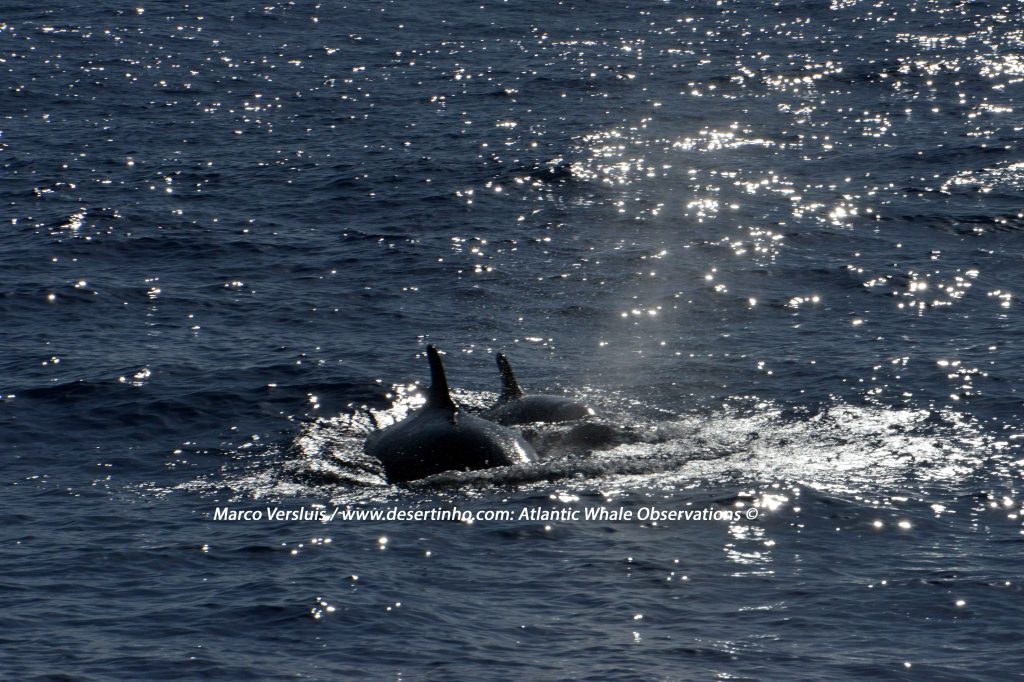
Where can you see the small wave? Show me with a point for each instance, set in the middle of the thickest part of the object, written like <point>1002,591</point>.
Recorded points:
<point>839,448</point>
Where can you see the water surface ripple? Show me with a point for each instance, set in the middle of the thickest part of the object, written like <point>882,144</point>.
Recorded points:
<point>777,244</point>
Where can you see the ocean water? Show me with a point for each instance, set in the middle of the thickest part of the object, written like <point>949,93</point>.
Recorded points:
<point>779,246</point>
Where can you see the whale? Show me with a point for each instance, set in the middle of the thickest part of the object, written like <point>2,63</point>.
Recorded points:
<point>514,406</point>
<point>440,436</point>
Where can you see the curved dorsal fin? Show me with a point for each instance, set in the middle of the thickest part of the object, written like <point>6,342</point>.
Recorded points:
<point>509,386</point>
<point>437,394</point>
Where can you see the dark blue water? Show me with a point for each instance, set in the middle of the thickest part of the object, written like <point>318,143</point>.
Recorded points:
<point>779,246</point>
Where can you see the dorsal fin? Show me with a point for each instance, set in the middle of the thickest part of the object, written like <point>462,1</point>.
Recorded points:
<point>509,386</point>
<point>437,394</point>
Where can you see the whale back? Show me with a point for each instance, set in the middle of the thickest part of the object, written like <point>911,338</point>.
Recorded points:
<point>538,408</point>
<point>429,443</point>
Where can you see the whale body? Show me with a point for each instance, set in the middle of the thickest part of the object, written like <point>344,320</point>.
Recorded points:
<point>516,407</point>
<point>441,437</point>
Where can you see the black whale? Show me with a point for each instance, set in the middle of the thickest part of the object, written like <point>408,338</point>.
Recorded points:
<point>441,437</point>
<point>516,407</point>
